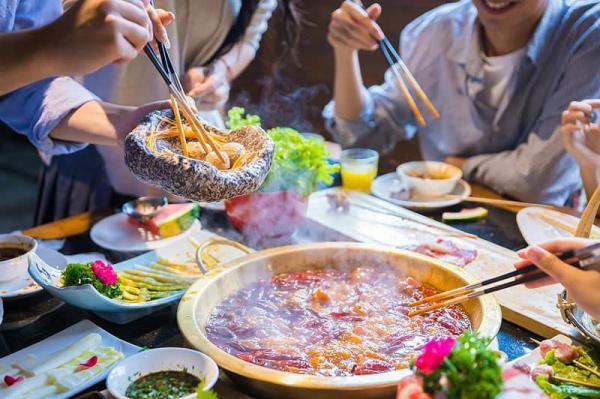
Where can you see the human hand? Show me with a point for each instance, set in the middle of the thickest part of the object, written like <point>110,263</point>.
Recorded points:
<point>582,285</point>
<point>209,86</point>
<point>579,135</point>
<point>128,118</point>
<point>456,161</point>
<point>353,28</point>
<point>94,33</point>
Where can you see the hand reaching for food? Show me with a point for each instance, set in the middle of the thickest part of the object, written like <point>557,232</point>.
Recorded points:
<point>582,285</point>
<point>209,86</point>
<point>580,134</point>
<point>353,28</point>
<point>94,33</point>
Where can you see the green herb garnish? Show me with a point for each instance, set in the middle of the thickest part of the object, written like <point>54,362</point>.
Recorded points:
<point>470,371</point>
<point>81,273</point>
<point>202,394</point>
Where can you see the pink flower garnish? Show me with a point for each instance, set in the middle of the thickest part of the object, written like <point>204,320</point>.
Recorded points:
<point>10,380</point>
<point>434,353</point>
<point>105,272</point>
<point>91,362</point>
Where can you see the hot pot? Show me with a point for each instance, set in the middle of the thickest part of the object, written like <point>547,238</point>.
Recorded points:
<point>202,297</point>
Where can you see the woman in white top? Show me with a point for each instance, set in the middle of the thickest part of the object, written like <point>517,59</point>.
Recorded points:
<point>211,43</point>
<point>580,133</point>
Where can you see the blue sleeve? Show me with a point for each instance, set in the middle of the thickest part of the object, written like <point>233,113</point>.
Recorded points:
<point>36,109</point>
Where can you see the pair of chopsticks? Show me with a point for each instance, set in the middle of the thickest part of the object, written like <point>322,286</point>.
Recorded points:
<point>165,68</point>
<point>397,66</point>
<point>581,258</point>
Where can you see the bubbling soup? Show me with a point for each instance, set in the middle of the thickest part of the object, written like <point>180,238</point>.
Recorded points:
<point>331,322</point>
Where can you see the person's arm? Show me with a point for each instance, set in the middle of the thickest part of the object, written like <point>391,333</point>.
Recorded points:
<point>539,170</point>
<point>378,117</point>
<point>101,123</point>
<point>581,139</point>
<point>582,285</point>
<point>89,35</point>
<point>211,84</point>
<point>351,29</point>
<point>59,114</point>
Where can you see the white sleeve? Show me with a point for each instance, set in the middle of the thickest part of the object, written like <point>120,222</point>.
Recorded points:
<point>259,23</point>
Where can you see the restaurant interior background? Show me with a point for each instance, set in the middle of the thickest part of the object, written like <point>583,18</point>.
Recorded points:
<point>307,84</point>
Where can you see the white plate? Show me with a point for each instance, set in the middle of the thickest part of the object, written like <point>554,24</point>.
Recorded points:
<point>162,359</point>
<point>25,286</point>
<point>385,185</point>
<point>65,338</point>
<point>536,230</point>
<point>117,234</point>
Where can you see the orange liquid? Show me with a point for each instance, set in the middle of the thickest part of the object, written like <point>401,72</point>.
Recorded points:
<point>358,179</point>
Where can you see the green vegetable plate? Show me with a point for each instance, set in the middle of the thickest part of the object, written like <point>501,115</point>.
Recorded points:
<point>87,297</point>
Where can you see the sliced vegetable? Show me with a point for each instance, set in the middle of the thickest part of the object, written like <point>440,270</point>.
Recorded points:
<point>465,215</point>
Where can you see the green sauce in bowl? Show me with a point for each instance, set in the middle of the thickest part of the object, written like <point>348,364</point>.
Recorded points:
<point>163,385</point>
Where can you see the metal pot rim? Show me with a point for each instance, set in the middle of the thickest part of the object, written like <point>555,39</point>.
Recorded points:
<point>490,324</point>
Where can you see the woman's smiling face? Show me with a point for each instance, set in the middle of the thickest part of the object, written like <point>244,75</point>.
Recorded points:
<point>509,13</point>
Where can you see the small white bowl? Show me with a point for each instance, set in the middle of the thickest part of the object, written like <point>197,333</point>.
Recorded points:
<point>161,359</point>
<point>445,177</point>
<point>11,269</point>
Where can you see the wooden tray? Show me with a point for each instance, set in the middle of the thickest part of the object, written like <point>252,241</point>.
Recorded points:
<point>534,310</point>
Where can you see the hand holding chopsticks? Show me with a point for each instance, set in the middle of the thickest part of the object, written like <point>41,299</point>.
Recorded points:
<point>165,68</point>
<point>398,68</point>
<point>582,258</point>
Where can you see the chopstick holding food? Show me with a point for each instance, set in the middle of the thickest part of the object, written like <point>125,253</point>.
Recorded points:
<point>573,267</point>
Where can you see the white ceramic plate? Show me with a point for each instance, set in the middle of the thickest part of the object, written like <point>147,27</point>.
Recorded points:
<point>117,234</point>
<point>66,338</point>
<point>536,230</point>
<point>162,359</point>
<point>22,287</point>
<point>385,185</point>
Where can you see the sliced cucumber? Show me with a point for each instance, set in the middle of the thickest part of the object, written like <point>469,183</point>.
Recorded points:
<point>465,215</point>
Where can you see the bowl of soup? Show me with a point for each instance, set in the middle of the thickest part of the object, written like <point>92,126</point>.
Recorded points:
<point>429,178</point>
<point>15,250</point>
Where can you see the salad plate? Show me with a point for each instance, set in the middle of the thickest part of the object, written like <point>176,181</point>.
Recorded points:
<point>61,341</point>
<point>115,233</point>
<point>26,286</point>
<point>87,297</point>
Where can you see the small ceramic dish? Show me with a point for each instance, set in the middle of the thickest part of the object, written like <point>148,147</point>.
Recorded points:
<point>144,208</point>
<point>429,178</point>
<point>16,267</point>
<point>161,359</point>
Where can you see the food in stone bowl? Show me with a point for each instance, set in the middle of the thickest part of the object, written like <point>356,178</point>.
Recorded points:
<point>194,160</point>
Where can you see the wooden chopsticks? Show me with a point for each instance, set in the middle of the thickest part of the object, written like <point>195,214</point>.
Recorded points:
<point>167,72</point>
<point>582,258</point>
<point>397,66</point>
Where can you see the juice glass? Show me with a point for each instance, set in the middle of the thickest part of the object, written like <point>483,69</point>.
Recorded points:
<point>359,168</point>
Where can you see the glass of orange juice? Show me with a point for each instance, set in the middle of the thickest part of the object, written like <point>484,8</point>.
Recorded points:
<point>359,168</point>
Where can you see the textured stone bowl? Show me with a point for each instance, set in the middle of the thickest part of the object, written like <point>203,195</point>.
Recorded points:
<point>191,178</point>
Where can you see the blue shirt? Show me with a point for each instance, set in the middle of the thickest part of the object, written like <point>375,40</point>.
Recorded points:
<point>514,149</point>
<point>36,109</point>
